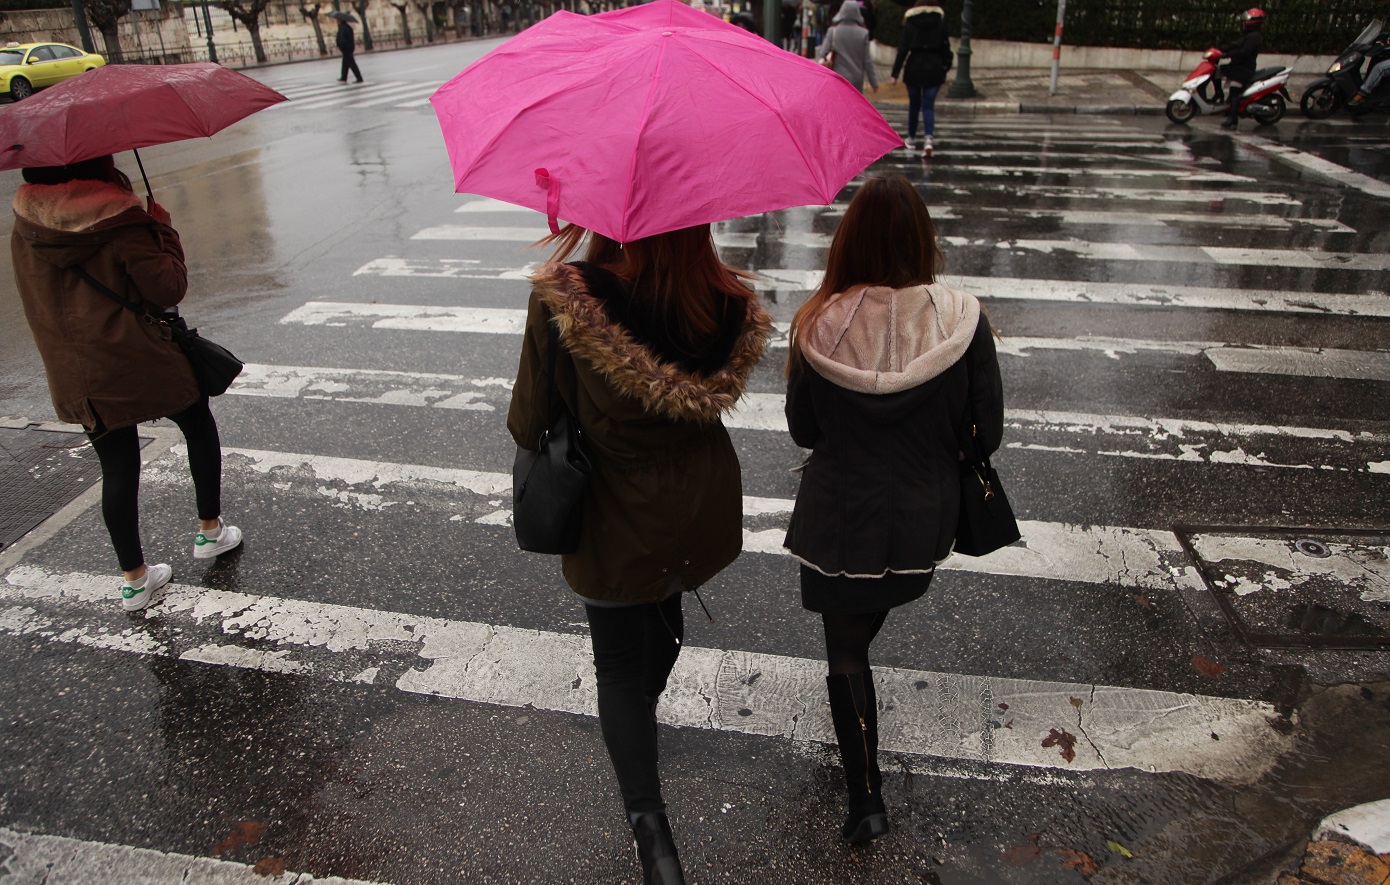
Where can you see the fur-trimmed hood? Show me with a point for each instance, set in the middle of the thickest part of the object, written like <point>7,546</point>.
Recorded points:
<point>923,10</point>
<point>879,340</point>
<point>67,223</point>
<point>633,368</point>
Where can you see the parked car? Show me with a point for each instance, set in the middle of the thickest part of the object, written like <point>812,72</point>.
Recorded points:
<point>25,67</point>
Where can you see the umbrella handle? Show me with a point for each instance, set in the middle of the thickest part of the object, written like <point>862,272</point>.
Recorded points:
<point>552,198</point>
<point>148,192</point>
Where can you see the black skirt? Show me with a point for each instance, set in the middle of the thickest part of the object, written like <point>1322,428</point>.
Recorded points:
<point>844,595</point>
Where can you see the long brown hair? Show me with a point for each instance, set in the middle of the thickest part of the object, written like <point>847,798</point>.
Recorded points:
<point>677,273</point>
<point>885,239</point>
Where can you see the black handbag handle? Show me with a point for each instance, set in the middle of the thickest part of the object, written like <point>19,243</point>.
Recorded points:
<point>551,395</point>
<point>123,302</point>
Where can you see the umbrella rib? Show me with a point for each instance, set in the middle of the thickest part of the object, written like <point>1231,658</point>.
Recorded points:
<point>641,128</point>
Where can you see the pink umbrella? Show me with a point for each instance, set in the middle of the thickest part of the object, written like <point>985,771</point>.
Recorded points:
<point>652,118</point>
<point>124,107</point>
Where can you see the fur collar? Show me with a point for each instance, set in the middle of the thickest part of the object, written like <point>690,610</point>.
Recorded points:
<point>73,206</point>
<point>633,369</point>
<point>881,340</point>
<point>923,10</point>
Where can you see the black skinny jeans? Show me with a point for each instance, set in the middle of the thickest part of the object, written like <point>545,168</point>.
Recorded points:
<point>119,454</point>
<point>635,648</point>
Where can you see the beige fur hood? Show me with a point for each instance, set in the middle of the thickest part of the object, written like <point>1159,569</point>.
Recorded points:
<point>923,10</point>
<point>74,206</point>
<point>880,340</point>
<point>632,368</point>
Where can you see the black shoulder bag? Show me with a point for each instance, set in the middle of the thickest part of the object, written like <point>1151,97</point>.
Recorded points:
<point>986,520</point>
<point>214,366</point>
<point>548,484</point>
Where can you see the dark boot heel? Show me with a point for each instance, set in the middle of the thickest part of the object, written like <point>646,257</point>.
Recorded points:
<point>865,829</point>
<point>656,849</point>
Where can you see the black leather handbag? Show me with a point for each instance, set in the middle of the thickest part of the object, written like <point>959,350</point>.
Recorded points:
<point>986,520</point>
<point>214,366</point>
<point>549,483</point>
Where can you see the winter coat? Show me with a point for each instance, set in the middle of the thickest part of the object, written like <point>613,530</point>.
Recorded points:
<point>346,39</point>
<point>103,361</point>
<point>1242,54</point>
<point>924,47</point>
<point>849,40</point>
<point>881,399</point>
<point>665,502</point>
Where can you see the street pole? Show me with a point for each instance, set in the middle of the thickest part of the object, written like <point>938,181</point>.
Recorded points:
<point>772,20</point>
<point>207,19</point>
<point>961,87</point>
<point>1057,46</point>
<point>79,15</point>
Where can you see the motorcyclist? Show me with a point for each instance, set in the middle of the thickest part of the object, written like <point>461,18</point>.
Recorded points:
<point>1240,69</point>
<point>1378,59</point>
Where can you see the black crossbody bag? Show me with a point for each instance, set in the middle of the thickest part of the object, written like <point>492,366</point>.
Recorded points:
<point>549,484</point>
<point>986,520</point>
<point>214,366</point>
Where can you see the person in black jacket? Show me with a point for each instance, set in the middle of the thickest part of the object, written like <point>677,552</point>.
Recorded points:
<point>890,373</point>
<point>347,45</point>
<point>1240,70</point>
<point>924,57</point>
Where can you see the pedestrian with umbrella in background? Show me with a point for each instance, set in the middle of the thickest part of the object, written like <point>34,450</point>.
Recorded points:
<point>99,270</point>
<point>347,45</point>
<point>641,127</point>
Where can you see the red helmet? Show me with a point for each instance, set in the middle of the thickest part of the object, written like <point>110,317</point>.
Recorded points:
<point>1252,16</point>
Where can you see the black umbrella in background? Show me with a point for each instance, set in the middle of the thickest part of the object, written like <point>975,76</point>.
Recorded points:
<point>344,17</point>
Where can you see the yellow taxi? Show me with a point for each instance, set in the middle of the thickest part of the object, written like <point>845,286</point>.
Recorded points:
<point>25,67</point>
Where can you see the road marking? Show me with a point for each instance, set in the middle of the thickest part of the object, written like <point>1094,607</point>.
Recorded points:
<point>346,93</point>
<point>1210,176</point>
<point>1303,258</point>
<point>1266,359</point>
<point>1318,166</point>
<point>405,93</point>
<point>1118,436</point>
<point>33,858</point>
<point>1110,194</point>
<point>945,715</point>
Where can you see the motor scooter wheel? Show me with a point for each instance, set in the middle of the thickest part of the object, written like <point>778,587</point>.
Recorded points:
<point>1180,111</point>
<point>1320,102</point>
<point>1268,110</point>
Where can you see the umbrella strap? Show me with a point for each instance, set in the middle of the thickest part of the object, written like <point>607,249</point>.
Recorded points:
<point>552,198</point>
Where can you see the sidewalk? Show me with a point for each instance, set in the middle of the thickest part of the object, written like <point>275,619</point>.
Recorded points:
<point>1004,91</point>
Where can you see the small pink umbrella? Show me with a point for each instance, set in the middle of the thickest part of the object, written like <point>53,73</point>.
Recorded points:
<point>124,107</point>
<point>653,118</point>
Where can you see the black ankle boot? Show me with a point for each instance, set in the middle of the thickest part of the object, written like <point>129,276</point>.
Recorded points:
<point>854,711</point>
<point>656,849</point>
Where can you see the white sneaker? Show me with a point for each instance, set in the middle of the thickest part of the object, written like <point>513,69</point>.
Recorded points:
<point>209,548</point>
<point>135,598</point>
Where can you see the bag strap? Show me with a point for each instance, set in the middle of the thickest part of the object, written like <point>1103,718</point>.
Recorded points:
<point>103,289</point>
<point>553,359</point>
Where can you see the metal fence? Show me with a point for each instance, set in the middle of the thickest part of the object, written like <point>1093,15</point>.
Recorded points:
<point>1292,26</point>
<point>242,55</point>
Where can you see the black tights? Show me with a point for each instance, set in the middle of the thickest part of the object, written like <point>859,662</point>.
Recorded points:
<point>847,639</point>
<point>119,453</point>
<point>635,647</point>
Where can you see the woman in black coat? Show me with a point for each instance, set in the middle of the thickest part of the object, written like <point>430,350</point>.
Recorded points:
<point>924,57</point>
<point>890,373</point>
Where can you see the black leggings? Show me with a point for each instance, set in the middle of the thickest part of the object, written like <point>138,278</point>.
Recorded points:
<point>847,639</point>
<point>635,647</point>
<point>119,453</point>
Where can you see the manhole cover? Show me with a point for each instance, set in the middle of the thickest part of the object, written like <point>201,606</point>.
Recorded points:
<point>1297,587</point>
<point>39,473</point>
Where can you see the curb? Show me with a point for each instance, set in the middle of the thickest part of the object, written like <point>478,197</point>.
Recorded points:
<point>1016,107</point>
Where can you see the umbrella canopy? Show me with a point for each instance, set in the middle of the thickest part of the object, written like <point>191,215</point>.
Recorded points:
<point>343,16</point>
<point>653,118</point>
<point>124,107</point>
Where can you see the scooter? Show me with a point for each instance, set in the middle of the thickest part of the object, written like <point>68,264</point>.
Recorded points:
<point>1326,96</point>
<point>1265,98</point>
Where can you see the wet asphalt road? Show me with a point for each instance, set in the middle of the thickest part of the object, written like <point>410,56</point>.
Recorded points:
<point>1195,330</point>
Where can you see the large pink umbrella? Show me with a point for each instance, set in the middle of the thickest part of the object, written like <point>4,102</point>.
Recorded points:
<point>652,118</point>
<point>124,107</point>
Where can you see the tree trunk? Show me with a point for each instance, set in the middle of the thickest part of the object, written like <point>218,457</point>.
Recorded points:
<point>112,37</point>
<point>253,27</point>
<point>361,6</point>
<point>404,10</point>
<point>313,16</point>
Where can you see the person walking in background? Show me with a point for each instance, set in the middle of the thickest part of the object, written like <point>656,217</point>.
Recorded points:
<point>885,365</point>
<point>1240,67</point>
<point>656,340</point>
<point>108,368</point>
<point>924,57</point>
<point>848,39</point>
<point>347,45</point>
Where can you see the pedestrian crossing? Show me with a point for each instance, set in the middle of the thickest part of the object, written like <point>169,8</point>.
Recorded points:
<point>415,359</point>
<point>305,95</point>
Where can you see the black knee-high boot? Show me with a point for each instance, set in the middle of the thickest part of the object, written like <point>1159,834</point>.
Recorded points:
<point>854,711</point>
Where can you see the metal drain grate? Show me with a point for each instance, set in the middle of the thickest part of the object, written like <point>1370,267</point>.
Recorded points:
<point>1297,587</point>
<point>40,471</point>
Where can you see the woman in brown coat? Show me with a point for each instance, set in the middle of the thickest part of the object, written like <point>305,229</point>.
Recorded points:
<point>109,368</point>
<point>657,340</point>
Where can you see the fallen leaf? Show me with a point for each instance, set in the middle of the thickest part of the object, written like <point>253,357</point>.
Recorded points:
<point>1207,667</point>
<point>1079,861</point>
<point>270,866</point>
<point>1003,706</point>
<point>1076,702</point>
<point>245,834</point>
<point>1118,848</point>
<point>1026,853</point>
<point>1142,599</point>
<point>1063,739</point>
